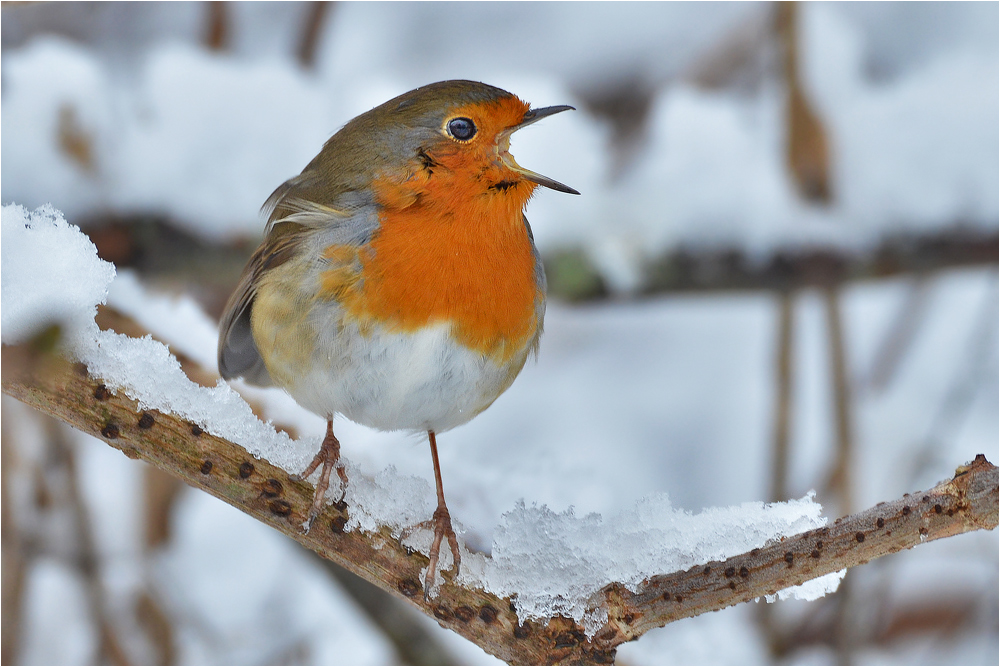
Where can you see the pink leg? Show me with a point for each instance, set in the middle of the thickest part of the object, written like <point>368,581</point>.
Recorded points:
<point>442,524</point>
<point>329,456</point>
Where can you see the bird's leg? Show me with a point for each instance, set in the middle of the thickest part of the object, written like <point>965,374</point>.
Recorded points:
<point>329,456</point>
<point>442,524</point>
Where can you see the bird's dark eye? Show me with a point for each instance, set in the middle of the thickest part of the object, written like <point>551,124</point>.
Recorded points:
<point>462,129</point>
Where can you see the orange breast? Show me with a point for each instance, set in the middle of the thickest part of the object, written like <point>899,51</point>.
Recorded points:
<point>440,256</point>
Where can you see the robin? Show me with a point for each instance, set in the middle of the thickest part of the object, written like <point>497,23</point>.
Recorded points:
<point>398,283</point>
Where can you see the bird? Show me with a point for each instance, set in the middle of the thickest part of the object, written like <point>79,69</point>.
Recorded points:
<point>398,283</point>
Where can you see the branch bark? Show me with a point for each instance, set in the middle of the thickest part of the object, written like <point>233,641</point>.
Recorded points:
<point>40,377</point>
<point>962,504</point>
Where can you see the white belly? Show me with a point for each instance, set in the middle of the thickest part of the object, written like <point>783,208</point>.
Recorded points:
<point>390,381</point>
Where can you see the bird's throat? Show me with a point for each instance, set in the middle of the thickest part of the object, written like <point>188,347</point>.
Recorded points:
<point>451,257</point>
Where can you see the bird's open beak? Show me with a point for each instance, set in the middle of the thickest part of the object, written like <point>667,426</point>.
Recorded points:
<point>533,116</point>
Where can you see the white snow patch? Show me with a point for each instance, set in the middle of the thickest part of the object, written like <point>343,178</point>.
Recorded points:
<point>555,561</point>
<point>49,273</point>
<point>810,590</point>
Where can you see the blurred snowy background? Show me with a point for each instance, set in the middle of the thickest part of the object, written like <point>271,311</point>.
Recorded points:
<point>781,276</point>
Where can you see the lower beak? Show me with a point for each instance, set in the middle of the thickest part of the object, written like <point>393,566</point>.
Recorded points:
<point>533,116</point>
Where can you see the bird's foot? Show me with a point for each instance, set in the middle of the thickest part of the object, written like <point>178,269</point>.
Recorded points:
<point>329,457</point>
<point>442,528</point>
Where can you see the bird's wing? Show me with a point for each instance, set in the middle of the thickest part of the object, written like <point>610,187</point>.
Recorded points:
<point>295,223</point>
<point>238,354</point>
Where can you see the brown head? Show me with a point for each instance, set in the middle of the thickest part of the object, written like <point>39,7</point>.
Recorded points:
<point>458,131</point>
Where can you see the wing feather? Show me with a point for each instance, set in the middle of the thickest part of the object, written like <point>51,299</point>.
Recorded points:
<point>295,220</point>
<point>238,354</point>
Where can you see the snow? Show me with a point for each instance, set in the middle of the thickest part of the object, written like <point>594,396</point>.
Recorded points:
<point>177,319</point>
<point>552,561</point>
<point>56,268</point>
<point>143,368</point>
<point>813,589</point>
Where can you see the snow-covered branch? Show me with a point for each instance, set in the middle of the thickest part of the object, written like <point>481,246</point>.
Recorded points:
<point>964,503</point>
<point>38,375</point>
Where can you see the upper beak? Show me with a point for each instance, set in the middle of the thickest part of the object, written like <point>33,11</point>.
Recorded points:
<point>533,116</point>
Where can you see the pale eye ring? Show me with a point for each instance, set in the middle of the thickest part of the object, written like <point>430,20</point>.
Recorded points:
<point>461,128</point>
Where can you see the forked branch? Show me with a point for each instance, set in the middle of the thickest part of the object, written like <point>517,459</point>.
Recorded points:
<point>48,382</point>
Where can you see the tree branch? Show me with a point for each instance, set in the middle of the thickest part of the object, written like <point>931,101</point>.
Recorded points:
<point>573,276</point>
<point>962,504</point>
<point>40,377</point>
